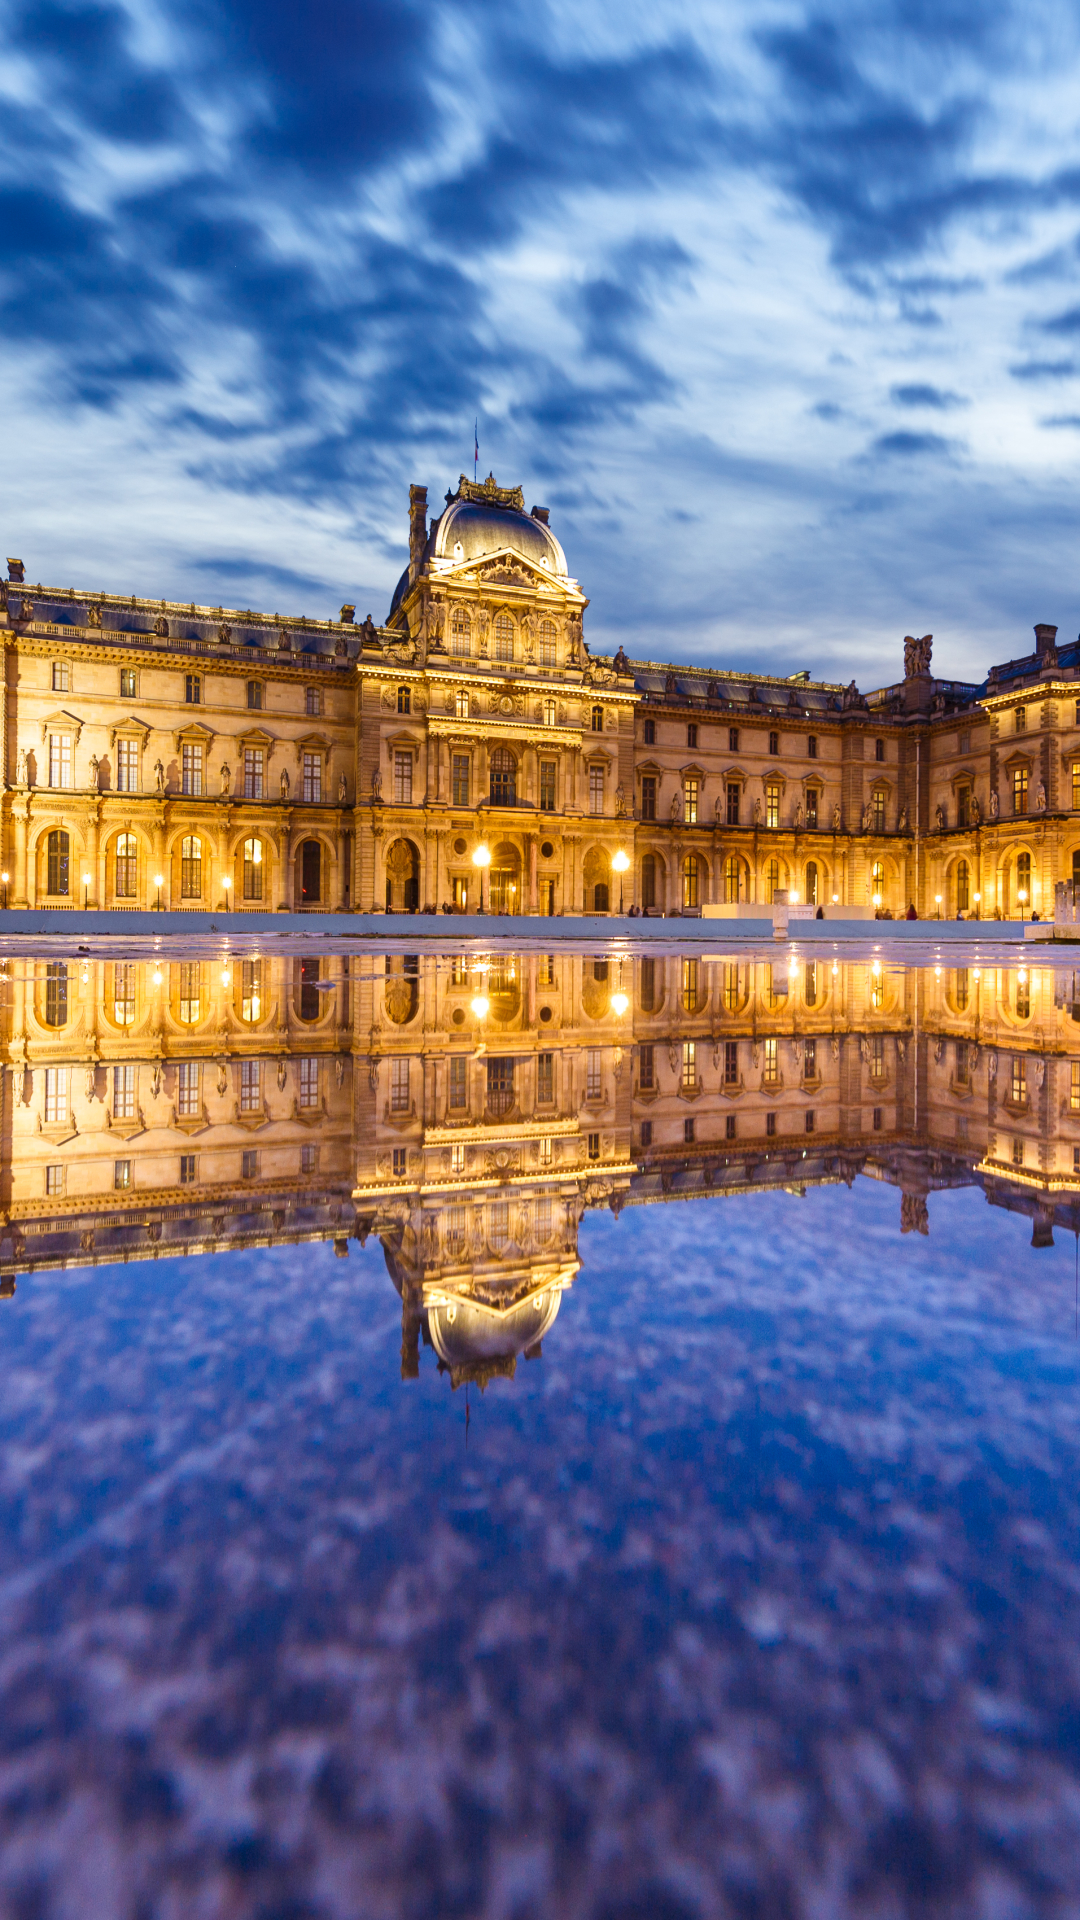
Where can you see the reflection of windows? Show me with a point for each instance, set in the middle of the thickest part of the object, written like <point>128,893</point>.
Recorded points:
<point>500,1225</point>
<point>457,1157</point>
<point>254,772</point>
<point>54,1180</point>
<point>1018,1153</point>
<point>56,994</point>
<point>772,1065</point>
<point>191,867</point>
<point>399,1085</point>
<point>455,1229</point>
<point>646,1133</point>
<point>689,986</point>
<point>312,776</point>
<point>127,766</point>
<point>877,1118</point>
<point>123,1106</point>
<point>1018,1081</point>
<point>731,986</point>
<point>56,1095</point>
<point>187,1169</point>
<point>401,1161</point>
<point>810,984</point>
<point>593,1146</point>
<point>60,762</point>
<point>500,1086</point>
<point>731,1063</point>
<point>250,1088</point>
<point>190,992</point>
<point>251,990</point>
<point>546,974</point>
<point>309,1082</point>
<point>810,1060</point>
<point>648,985</point>
<point>1074,1087</point>
<point>962,1071</point>
<point>730,1127</point>
<point>249,1164</point>
<point>594,1085</point>
<point>809,1120</point>
<point>877,1057</point>
<point>770,1125</point>
<point>458,1083</point>
<point>877,991</point>
<point>646,1068</point>
<point>191,768</point>
<point>961,989</point>
<point>1023,999</point>
<point>123,995</point>
<point>689,1063</point>
<point>775,987</point>
<point>187,1089</point>
<point>688,1132</point>
<point>543,1219</point>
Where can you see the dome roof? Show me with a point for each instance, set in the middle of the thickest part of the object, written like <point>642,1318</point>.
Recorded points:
<point>482,519</point>
<point>472,1337</point>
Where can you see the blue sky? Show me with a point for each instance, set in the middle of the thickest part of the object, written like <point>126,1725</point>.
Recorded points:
<point>778,308</point>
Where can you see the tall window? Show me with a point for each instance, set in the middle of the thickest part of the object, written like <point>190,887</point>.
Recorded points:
<point>57,1100</point>
<point>1023,880</point>
<point>251,993</point>
<point>772,1063</point>
<point>1020,789</point>
<point>772,805</point>
<point>551,712</point>
<point>250,1086</point>
<point>503,777</point>
<point>543,1213</point>
<point>403,765</point>
<point>772,879</point>
<point>1076,784</point>
<point>253,869</point>
<point>254,772</point>
<point>61,770</point>
<point>459,632</point>
<point>459,780</point>
<point>129,683</point>
<point>545,1079</point>
<point>733,793</point>
<point>733,739</point>
<point>312,702</point>
<point>648,733</point>
<point>774,743</point>
<point>811,747</point>
<point>61,677</point>
<point>648,985</point>
<point>545,970</point>
<point>1021,719</point>
<point>648,796</point>
<point>963,806</point>
<point>127,866</point>
<point>499,1228</point>
<point>646,1068</point>
<point>127,766</point>
<point>193,690</point>
<point>500,1086</point>
<point>191,768</point>
<point>461,704</point>
<point>399,1085</point>
<point>731,986</point>
<point>504,637</point>
<point>58,861</point>
<point>254,696</point>
<point>811,892</point>
<point>596,789</point>
<point>404,700</point>
<point>546,653</point>
<point>594,1084</point>
<point>811,806</point>
<point>547,786</point>
<point>1018,1081</point>
<point>1023,996</point>
<point>312,776</point>
<point>731,1063</point>
<point>879,749</point>
<point>962,1073</point>
<point>308,1095</point>
<point>962,989</point>
<point>187,1089</point>
<point>877,878</point>
<point>690,800</point>
<point>691,734</point>
<point>56,994</point>
<point>458,1092</point>
<point>810,1053</point>
<point>963,886</point>
<point>648,880</point>
<point>691,877</point>
<point>598,719</point>
<point>123,993</point>
<point>810,988</point>
<point>689,989</point>
<point>732,880</point>
<point>190,997</point>
<point>689,1063</point>
<point>1074,1087</point>
<point>877,815</point>
<point>191,867</point>
<point>123,1100</point>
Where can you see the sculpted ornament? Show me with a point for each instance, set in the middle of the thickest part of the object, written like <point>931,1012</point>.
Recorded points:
<point>1040,799</point>
<point>917,655</point>
<point>226,780</point>
<point>20,768</point>
<point>284,783</point>
<point>159,777</point>
<point>836,818</point>
<point>93,616</point>
<point>994,805</point>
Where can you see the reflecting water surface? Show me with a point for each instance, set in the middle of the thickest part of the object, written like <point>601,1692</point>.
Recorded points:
<point>529,1435</point>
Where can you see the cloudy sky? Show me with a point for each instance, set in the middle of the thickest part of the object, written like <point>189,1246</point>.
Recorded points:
<point>777,307</point>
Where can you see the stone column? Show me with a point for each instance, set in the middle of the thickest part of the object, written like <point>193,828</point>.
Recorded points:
<point>534,898</point>
<point>431,869</point>
<point>222,830</point>
<point>93,854</point>
<point>20,897</point>
<point>159,863</point>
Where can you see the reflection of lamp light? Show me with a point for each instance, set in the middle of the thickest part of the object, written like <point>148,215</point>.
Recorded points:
<point>977,973</point>
<point>225,974</point>
<point>875,966</point>
<point>1021,978</point>
<point>620,862</point>
<point>481,859</point>
<point>619,1004</point>
<point>480,1006</point>
<point>157,976</point>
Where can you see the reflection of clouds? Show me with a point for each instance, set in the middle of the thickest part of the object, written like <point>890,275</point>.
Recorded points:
<point>764,1580</point>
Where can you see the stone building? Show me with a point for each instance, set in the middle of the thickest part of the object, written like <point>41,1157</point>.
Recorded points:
<point>156,753</point>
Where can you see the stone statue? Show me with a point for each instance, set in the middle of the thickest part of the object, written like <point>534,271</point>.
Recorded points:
<point>994,805</point>
<point>620,803</point>
<point>376,785</point>
<point>975,812</point>
<point>95,768</point>
<point>913,1215</point>
<point>939,816</point>
<point>620,663</point>
<point>798,815</point>
<point>917,655</point>
<point>91,1076</point>
<point>93,616</point>
<point>159,779</point>
<point>1040,799</point>
<point>224,633</point>
<point>226,780</point>
<point>20,768</point>
<point>717,810</point>
<point>161,627</point>
<point>281,1076</point>
<point>339,1069</point>
<point>991,1066</point>
<point>342,790</point>
<point>903,820</point>
<point>368,632</point>
<point>866,817</point>
<point>757,813</point>
<point>676,806</point>
<point>836,818</point>
<point>284,783</point>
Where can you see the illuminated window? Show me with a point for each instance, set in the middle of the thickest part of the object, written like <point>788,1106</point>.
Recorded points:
<point>123,1103</point>
<point>963,886</point>
<point>308,1082</point>
<point>58,862</point>
<point>404,700</point>
<point>772,879</point>
<point>254,772</point>
<point>546,652</point>
<point>877,878</point>
<point>690,800</point>
<point>54,1180</point>
<point>811,884</point>
<point>1020,789</point>
<point>312,776</point>
<point>191,768</point>
<point>123,993</point>
<point>732,880</point>
<point>129,683</point>
<point>877,991</point>
<point>689,986</point>
<point>1074,1087</point>
<point>190,995</point>
<point>546,970</point>
<point>691,888</point>
<point>187,1090</point>
<point>1018,1081</point>
<point>61,772</point>
<point>877,817</point>
<point>57,1099</point>
<point>127,866</point>
<point>593,1076</point>
<point>127,766</point>
<point>252,857</point>
<point>250,1086</point>
<point>457,1157</point>
<point>810,985</point>
<point>191,867</point>
<point>251,993</point>
<point>772,1064</point>
<point>772,805</point>
<point>504,637</point>
<point>121,1175</point>
<point>1023,999</point>
<point>598,719</point>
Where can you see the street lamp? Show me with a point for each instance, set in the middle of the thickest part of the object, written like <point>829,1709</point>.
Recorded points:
<point>976,897</point>
<point>1022,897</point>
<point>5,877</point>
<point>877,902</point>
<point>227,884</point>
<point>159,882</point>
<point>620,862</point>
<point>481,859</point>
<point>937,902</point>
<point>85,891</point>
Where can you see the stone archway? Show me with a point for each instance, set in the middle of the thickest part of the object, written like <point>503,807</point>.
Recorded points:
<point>402,877</point>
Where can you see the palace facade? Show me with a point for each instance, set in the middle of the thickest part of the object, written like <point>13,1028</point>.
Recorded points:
<point>157,753</point>
<point>468,1111</point>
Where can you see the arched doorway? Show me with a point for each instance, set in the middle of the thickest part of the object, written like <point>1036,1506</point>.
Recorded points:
<point>402,877</point>
<point>58,863</point>
<point>310,873</point>
<point>810,894</point>
<point>596,881</point>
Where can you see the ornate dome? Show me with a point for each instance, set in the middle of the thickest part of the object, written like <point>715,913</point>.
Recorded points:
<point>482,519</point>
<point>476,1340</point>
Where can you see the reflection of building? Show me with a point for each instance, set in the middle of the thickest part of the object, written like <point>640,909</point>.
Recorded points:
<point>161,753</point>
<point>468,1112</point>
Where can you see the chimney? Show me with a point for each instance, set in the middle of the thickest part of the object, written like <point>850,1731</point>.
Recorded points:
<point>417,527</point>
<point>16,571</point>
<point>541,514</point>
<point>1045,638</point>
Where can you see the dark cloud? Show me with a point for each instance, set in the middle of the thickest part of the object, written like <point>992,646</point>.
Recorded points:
<point>1044,369</point>
<point>1060,420</point>
<point>1063,323</point>
<point>941,399</point>
<point>827,410</point>
<point>908,444</point>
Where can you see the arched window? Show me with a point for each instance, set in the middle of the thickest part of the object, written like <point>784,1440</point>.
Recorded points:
<point>1076,869</point>
<point>191,867</point>
<point>404,700</point>
<point>310,996</point>
<point>772,880</point>
<point>503,777</point>
<point>189,997</point>
<point>58,851</point>
<point>963,886</point>
<point>311,872</point>
<point>459,632</point>
<point>648,880</point>
<point>253,869</point>
<point>691,881</point>
<point>601,897</point>
<point>546,644</point>
<point>877,881</point>
<point>56,994</point>
<point>504,637</point>
<point>732,881</point>
<point>127,866</point>
<point>811,883</point>
<point>1023,881</point>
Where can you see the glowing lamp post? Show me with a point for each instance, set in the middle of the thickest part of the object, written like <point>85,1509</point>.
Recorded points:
<point>976,897</point>
<point>227,885</point>
<point>85,891</point>
<point>5,877</point>
<point>620,862</point>
<point>159,882</point>
<point>1022,897</point>
<point>481,859</point>
<point>937,903</point>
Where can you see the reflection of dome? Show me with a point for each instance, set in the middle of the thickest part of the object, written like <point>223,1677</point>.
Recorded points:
<point>478,1341</point>
<point>483,520</point>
